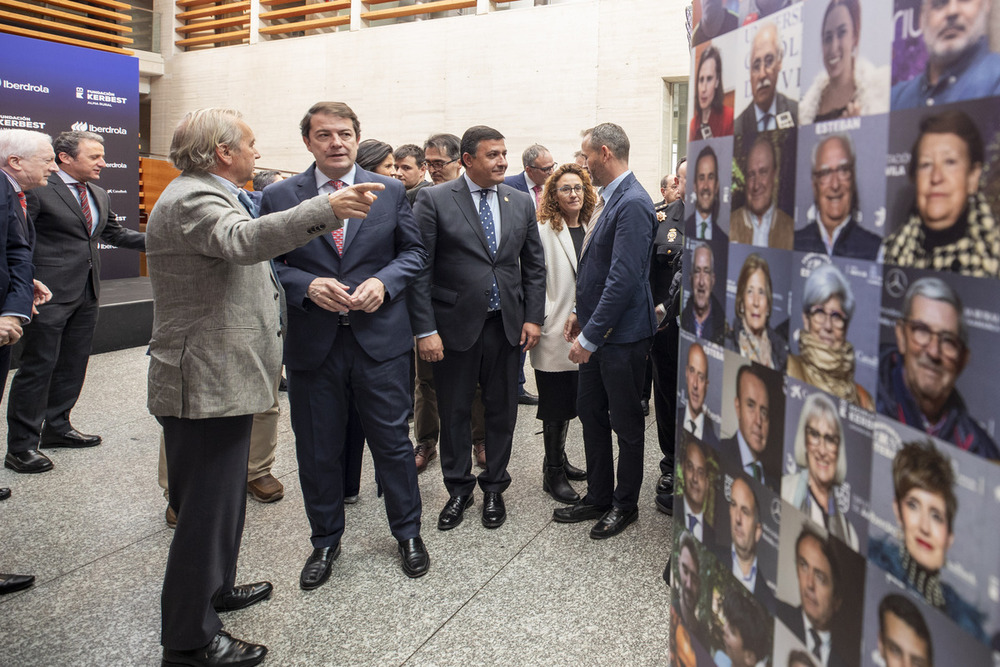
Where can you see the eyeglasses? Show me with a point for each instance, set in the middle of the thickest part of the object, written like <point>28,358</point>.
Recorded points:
<point>843,172</point>
<point>821,317</point>
<point>950,345</point>
<point>544,170</point>
<point>814,439</point>
<point>435,165</point>
<point>569,189</point>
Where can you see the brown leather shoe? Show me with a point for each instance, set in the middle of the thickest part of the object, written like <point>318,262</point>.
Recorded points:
<point>266,489</point>
<point>479,449</point>
<point>424,453</point>
<point>171,517</point>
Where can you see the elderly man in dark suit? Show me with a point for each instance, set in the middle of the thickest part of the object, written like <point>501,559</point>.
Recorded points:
<point>215,356</point>
<point>72,216</point>
<point>26,159</point>
<point>480,296</point>
<point>348,341</point>
<point>769,110</point>
<point>611,333</point>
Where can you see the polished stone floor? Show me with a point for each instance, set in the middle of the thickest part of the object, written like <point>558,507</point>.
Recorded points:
<point>530,593</point>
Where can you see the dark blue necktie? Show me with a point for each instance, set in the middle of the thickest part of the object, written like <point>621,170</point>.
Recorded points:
<point>247,203</point>
<point>486,217</point>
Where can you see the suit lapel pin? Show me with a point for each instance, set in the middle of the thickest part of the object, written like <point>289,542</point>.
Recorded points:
<point>505,199</point>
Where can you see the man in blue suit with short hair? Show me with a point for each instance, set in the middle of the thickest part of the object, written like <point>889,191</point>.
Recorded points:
<point>348,341</point>
<point>611,333</point>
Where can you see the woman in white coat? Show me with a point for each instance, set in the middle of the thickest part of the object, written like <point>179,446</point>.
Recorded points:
<point>563,213</point>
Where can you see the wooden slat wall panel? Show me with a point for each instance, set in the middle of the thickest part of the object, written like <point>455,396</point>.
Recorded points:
<point>298,26</point>
<point>413,10</point>
<point>304,10</point>
<point>93,24</point>
<point>292,19</point>
<point>218,31</point>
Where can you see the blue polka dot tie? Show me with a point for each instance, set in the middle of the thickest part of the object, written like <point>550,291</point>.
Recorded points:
<point>486,217</point>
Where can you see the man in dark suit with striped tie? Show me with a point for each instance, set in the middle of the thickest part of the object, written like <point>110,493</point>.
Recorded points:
<point>71,217</point>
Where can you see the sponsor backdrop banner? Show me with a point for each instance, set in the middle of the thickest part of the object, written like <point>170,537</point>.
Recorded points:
<point>837,493</point>
<point>52,88</point>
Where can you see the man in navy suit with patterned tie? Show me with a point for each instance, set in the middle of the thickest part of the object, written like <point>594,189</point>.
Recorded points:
<point>611,333</point>
<point>349,340</point>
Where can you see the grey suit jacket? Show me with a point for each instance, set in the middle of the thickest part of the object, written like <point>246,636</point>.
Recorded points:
<point>746,122</point>
<point>451,294</point>
<point>216,344</point>
<point>66,257</point>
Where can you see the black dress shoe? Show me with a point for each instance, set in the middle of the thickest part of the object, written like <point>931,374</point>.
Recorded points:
<point>415,558</point>
<point>30,461</point>
<point>223,651</point>
<point>10,583</point>
<point>4,493</point>
<point>645,407</point>
<point>317,567</point>
<point>453,510</point>
<point>494,511</point>
<point>283,384</point>
<point>665,503</point>
<point>527,398</point>
<point>71,438</point>
<point>579,512</point>
<point>243,596</point>
<point>665,485</point>
<point>615,521</point>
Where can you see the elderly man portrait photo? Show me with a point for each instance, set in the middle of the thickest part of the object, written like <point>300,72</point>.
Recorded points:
<point>917,375</point>
<point>834,228</point>
<point>703,314</point>
<point>960,64</point>
<point>760,221</point>
<point>769,109</point>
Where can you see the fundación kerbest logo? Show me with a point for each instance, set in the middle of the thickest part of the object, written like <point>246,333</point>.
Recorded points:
<point>79,92</point>
<point>101,98</point>
<point>84,126</point>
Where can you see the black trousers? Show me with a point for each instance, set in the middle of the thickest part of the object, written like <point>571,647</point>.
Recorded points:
<point>207,477</point>
<point>321,401</point>
<point>492,363</point>
<point>56,349</point>
<point>609,399</point>
<point>663,354</point>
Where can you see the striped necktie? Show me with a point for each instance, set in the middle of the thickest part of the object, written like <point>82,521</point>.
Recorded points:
<point>338,234</point>
<point>85,205</point>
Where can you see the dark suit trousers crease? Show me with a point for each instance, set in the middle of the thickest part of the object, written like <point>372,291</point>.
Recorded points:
<point>4,367</point>
<point>320,401</point>
<point>354,452</point>
<point>207,477</point>
<point>663,354</point>
<point>426,424</point>
<point>609,400</point>
<point>492,362</point>
<point>56,349</point>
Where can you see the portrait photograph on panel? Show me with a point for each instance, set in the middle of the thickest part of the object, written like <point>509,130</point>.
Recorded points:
<point>763,190</point>
<point>696,502</point>
<point>753,410</point>
<point>927,526</point>
<point>938,339</point>
<point>709,183</point>
<point>747,535</point>
<point>789,650</point>
<point>755,10</point>
<point>845,63</point>
<point>757,309</point>
<point>943,52</point>
<point>742,627</point>
<point>695,575</point>
<point>767,94</point>
<point>902,630</point>
<point>713,18</point>
<point>943,189</point>
<point>717,71</point>
<point>704,289</point>
<point>833,343</point>
<point>820,590</point>
<point>840,193</point>
<point>827,474</point>
<point>699,389</point>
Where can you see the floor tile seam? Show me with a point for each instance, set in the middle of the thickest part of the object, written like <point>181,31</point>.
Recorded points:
<point>477,591</point>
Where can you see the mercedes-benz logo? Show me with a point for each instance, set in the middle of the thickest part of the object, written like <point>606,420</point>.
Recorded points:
<point>896,282</point>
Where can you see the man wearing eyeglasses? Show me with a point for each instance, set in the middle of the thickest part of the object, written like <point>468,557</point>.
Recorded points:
<point>917,377</point>
<point>443,157</point>
<point>833,228</point>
